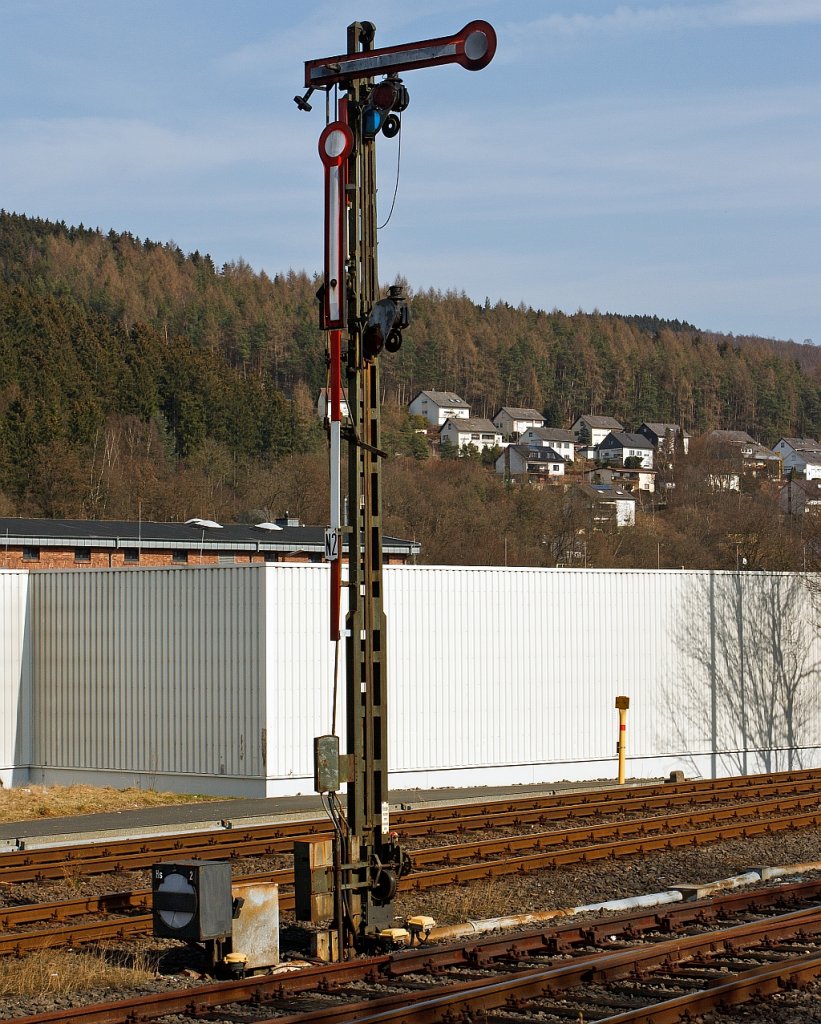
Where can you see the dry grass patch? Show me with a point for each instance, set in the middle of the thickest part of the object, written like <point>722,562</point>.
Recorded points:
<point>58,972</point>
<point>25,803</point>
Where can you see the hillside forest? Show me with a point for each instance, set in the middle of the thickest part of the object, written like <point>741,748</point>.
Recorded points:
<point>137,380</point>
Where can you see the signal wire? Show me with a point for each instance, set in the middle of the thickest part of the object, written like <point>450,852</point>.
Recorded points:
<point>396,186</point>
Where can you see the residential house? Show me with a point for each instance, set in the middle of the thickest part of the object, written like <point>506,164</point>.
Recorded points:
<point>534,463</point>
<point>620,446</point>
<point>438,407</point>
<point>105,544</point>
<point>561,441</point>
<point>592,430</point>
<point>610,506</point>
<point>736,447</point>
<point>663,436</point>
<point>634,481</point>
<point>798,496</point>
<point>802,455</point>
<point>481,433</point>
<point>323,406</point>
<point>513,422</point>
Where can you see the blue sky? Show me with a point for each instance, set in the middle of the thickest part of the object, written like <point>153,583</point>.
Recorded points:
<point>635,157</point>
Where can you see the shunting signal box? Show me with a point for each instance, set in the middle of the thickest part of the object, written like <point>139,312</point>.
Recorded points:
<point>192,900</point>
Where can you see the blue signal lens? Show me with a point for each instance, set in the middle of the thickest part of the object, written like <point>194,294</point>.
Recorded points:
<point>371,121</point>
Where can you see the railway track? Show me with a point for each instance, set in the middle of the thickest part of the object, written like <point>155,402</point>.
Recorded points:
<point>457,865</point>
<point>647,966</point>
<point>56,862</point>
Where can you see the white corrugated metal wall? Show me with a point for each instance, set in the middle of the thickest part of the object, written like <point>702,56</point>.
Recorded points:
<point>511,675</point>
<point>218,679</point>
<point>149,677</point>
<point>15,677</point>
<point>299,672</point>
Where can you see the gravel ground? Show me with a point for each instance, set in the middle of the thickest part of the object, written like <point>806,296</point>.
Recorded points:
<point>564,887</point>
<point>580,884</point>
<point>801,1006</point>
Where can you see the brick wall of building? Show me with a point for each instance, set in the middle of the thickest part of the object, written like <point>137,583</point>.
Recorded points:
<point>66,558</point>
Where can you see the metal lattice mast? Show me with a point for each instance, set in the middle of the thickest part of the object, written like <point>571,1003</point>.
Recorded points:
<point>366,695</point>
<point>350,303</point>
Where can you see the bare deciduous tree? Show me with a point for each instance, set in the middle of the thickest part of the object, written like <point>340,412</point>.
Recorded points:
<point>754,693</point>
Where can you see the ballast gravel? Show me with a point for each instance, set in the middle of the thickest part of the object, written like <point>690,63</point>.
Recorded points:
<point>568,886</point>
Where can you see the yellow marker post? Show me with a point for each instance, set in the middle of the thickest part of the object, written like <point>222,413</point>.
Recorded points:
<point>622,703</point>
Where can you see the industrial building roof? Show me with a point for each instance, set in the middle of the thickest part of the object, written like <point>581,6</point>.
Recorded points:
<point>284,535</point>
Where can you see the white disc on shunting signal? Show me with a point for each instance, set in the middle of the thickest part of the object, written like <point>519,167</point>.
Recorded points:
<point>175,882</point>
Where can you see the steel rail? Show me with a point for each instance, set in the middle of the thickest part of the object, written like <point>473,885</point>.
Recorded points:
<point>270,840</point>
<point>445,1003</point>
<point>558,854</point>
<point>708,789</point>
<point>600,851</point>
<point>477,952</point>
<point>758,981</point>
<point>14,917</point>
<point>635,826</point>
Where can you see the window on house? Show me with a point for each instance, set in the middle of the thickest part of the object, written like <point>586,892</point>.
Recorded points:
<point>271,556</point>
<point>31,554</point>
<point>179,556</point>
<point>131,554</point>
<point>82,554</point>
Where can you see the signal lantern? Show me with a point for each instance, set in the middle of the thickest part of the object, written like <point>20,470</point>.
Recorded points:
<point>390,94</point>
<point>371,121</point>
<point>383,328</point>
<point>382,95</point>
<point>372,341</point>
<point>387,99</point>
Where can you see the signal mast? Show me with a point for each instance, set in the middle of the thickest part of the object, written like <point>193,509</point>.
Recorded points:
<point>368,860</point>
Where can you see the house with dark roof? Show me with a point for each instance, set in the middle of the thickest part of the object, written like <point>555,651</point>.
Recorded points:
<point>737,448</point>
<point>514,421</point>
<point>105,544</point>
<point>592,430</point>
<point>534,463</point>
<point>475,431</point>
<point>798,496</point>
<point>610,506</point>
<point>438,407</point>
<point>620,446</point>
<point>561,441</point>
<point>663,435</point>
<point>802,455</point>
<point>635,481</point>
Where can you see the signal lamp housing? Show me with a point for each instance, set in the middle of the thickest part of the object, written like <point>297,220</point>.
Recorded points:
<point>371,121</point>
<point>191,900</point>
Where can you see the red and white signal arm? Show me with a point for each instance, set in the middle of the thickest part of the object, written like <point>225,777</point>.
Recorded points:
<point>335,146</point>
<point>473,47</point>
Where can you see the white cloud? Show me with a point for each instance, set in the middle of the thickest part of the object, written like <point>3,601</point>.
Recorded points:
<point>72,149</point>
<point>738,149</point>
<point>773,12</point>
<point>626,18</point>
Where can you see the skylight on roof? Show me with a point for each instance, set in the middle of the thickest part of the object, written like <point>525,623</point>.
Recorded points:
<point>203,524</point>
